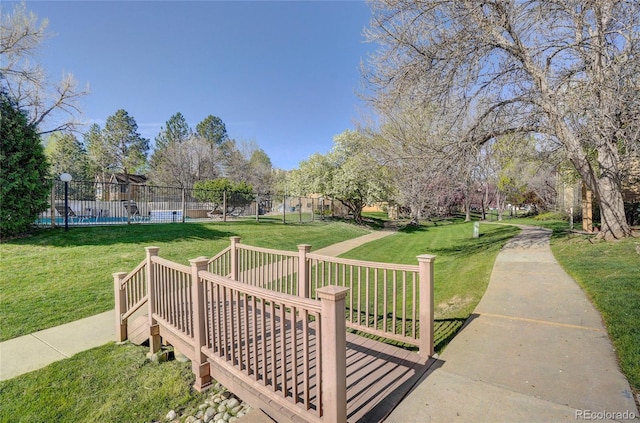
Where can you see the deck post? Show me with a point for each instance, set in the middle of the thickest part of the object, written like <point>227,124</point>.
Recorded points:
<point>303,271</point>
<point>425,267</point>
<point>154,336</point>
<point>121,305</point>
<point>199,365</point>
<point>334,353</point>
<point>235,240</point>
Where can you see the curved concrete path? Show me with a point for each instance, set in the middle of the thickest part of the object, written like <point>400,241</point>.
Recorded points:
<point>534,350</point>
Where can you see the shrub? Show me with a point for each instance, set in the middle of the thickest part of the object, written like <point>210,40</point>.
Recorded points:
<point>23,170</point>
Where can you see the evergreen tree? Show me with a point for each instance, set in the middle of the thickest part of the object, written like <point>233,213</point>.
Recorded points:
<point>123,143</point>
<point>67,154</point>
<point>213,130</point>
<point>24,189</point>
<point>176,131</point>
<point>101,161</point>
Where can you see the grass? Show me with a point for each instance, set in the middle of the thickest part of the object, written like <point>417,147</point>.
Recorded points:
<point>111,383</point>
<point>54,277</point>
<point>462,268</point>
<point>117,383</point>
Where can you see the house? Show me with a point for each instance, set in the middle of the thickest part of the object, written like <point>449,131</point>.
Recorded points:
<point>575,195</point>
<point>119,186</point>
<point>631,183</point>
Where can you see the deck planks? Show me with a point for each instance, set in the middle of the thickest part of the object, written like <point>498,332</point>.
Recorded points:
<point>379,375</point>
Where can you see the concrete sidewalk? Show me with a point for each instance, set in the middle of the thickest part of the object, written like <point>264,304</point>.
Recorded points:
<point>32,352</point>
<point>534,350</point>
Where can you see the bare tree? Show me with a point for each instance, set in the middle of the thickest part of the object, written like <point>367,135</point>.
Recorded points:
<point>565,70</point>
<point>187,162</point>
<point>51,107</point>
<point>427,174</point>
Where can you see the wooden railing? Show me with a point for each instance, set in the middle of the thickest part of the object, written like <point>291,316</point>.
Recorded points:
<point>131,294</point>
<point>290,350</point>
<point>385,300</point>
<point>275,330</point>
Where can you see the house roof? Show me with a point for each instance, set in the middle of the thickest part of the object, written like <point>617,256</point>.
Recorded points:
<point>134,179</point>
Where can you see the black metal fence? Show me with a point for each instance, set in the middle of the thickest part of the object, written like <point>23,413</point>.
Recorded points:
<point>106,203</point>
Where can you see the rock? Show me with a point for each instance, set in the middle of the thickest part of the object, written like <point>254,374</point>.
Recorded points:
<point>208,415</point>
<point>171,415</point>
<point>222,408</point>
<point>233,403</point>
<point>190,419</point>
<point>180,357</point>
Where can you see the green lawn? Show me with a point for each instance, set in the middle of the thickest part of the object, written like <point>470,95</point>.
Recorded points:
<point>117,382</point>
<point>112,383</point>
<point>54,277</point>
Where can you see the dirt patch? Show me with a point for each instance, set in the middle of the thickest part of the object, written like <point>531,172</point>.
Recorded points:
<point>452,305</point>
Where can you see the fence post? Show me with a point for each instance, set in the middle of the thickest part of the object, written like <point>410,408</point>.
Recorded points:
<point>128,201</point>
<point>224,206</point>
<point>53,204</point>
<point>425,266</point>
<point>334,353</point>
<point>184,205</point>
<point>257,208</point>
<point>303,271</point>
<point>199,365</point>
<point>235,240</point>
<point>154,334</point>
<point>121,306</point>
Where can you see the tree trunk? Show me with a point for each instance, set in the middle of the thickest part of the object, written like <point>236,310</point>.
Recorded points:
<point>606,188</point>
<point>612,216</point>
<point>500,204</point>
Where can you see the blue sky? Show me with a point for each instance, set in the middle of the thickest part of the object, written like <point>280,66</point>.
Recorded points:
<point>283,74</point>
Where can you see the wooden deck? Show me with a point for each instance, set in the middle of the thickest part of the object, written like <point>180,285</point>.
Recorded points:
<point>288,353</point>
<point>378,377</point>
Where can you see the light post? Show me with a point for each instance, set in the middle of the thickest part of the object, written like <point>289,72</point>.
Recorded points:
<point>66,178</point>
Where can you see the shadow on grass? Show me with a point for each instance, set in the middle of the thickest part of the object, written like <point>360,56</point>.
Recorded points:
<point>138,233</point>
<point>445,330</point>
<point>412,229</point>
<point>468,247</point>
